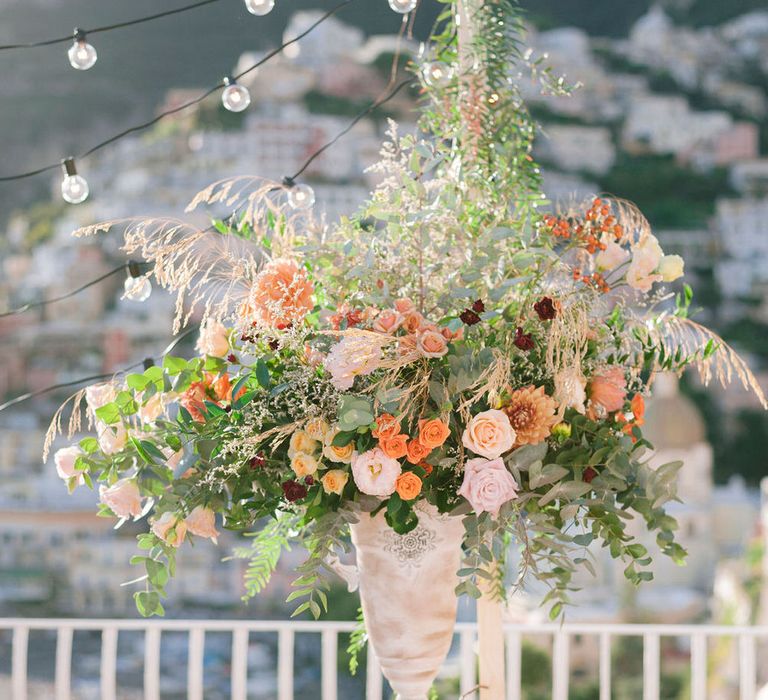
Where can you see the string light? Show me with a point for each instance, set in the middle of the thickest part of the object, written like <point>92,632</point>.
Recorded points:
<point>137,286</point>
<point>259,7</point>
<point>82,55</point>
<point>74,187</point>
<point>300,197</point>
<point>403,6</point>
<point>179,108</point>
<point>235,97</point>
<point>436,74</point>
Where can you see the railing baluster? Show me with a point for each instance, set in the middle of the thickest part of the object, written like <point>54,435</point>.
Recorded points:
<point>152,663</point>
<point>329,664</point>
<point>374,683</point>
<point>63,663</point>
<point>605,666</point>
<point>747,681</point>
<point>240,664</point>
<point>195,660</point>
<point>514,667</point>
<point>561,666</point>
<point>698,667</point>
<point>285,664</point>
<point>651,667</point>
<point>467,661</point>
<point>108,672</point>
<point>19,663</point>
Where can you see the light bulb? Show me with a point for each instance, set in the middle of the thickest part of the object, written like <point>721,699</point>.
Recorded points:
<point>403,6</point>
<point>259,7</point>
<point>235,97</point>
<point>301,197</point>
<point>81,54</point>
<point>74,187</point>
<point>436,74</point>
<point>137,288</point>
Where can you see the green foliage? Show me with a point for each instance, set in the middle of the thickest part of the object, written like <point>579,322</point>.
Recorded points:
<point>357,642</point>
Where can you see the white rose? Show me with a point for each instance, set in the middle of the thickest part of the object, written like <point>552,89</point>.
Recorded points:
<point>671,267</point>
<point>213,340</point>
<point>112,438</point>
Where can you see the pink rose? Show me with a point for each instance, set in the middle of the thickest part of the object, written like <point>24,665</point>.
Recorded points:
<point>375,473</point>
<point>123,498</point>
<point>387,321</point>
<point>489,434</point>
<point>170,529</point>
<point>487,485</point>
<point>404,305</point>
<point>112,438</point>
<point>99,395</point>
<point>202,522</point>
<point>65,459</point>
<point>353,356</point>
<point>431,343</point>
<point>213,339</point>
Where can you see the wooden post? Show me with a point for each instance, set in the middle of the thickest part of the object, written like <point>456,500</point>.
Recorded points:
<point>489,609</point>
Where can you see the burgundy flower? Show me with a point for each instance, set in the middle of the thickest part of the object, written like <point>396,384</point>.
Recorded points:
<point>545,308</point>
<point>294,491</point>
<point>478,306</point>
<point>231,358</point>
<point>274,344</point>
<point>524,341</point>
<point>309,480</point>
<point>588,475</point>
<point>469,317</point>
<point>258,461</point>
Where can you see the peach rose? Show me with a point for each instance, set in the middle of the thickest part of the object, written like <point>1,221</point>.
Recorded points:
<point>406,345</point>
<point>317,428</point>
<point>387,321</point>
<point>386,426</point>
<point>416,452</point>
<point>408,486</point>
<point>65,459</point>
<point>412,321</point>
<point>395,446</point>
<point>123,498</point>
<point>170,528</point>
<point>281,294</point>
<point>609,389</point>
<point>487,485</point>
<point>302,442</point>
<point>202,522</point>
<point>489,434</point>
<point>431,344</point>
<point>646,257</point>
<point>112,438</point>
<point>449,335</point>
<point>336,453</point>
<point>404,305</point>
<point>213,339</point>
<point>303,464</point>
<point>433,433</point>
<point>375,473</point>
<point>334,481</point>
<point>98,395</point>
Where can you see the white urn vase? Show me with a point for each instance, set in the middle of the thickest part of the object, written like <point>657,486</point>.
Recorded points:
<point>407,587</point>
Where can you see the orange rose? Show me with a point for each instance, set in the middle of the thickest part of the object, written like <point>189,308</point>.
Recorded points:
<point>395,446</point>
<point>416,452</point>
<point>638,409</point>
<point>408,486</point>
<point>426,466</point>
<point>433,433</point>
<point>387,426</point>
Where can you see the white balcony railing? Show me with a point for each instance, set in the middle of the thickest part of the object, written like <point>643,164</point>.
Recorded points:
<point>696,637</point>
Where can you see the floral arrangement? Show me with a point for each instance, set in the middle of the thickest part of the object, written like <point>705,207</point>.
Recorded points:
<point>449,345</point>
